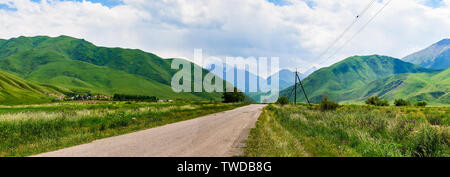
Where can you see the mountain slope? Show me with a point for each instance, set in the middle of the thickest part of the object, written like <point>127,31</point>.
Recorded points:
<point>351,74</point>
<point>81,66</point>
<point>437,56</point>
<point>432,87</point>
<point>15,90</point>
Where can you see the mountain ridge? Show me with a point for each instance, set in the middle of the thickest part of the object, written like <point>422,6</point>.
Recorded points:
<point>350,74</point>
<point>79,65</point>
<point>436,56</point>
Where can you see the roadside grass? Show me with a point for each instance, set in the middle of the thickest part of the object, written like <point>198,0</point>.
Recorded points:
<point>270,133</point>
<point>34,129</point>
<point>351,131</point>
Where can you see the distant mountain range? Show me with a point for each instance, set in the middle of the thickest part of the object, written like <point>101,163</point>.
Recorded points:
<point>286,79</point>
<point>80,66</point>
<point>37,69</point>
<point>437,56</point>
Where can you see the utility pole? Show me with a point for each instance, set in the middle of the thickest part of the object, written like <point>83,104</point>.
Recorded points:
<point>297,78</point>
<point>303,88</point>
<point>295,88</point>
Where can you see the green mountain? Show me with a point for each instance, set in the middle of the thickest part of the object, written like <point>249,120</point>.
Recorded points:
<point>81,66</point>
<point>15,90</point>
<point>437,56</point>
<point>433,87</point>
<point>349,75</point>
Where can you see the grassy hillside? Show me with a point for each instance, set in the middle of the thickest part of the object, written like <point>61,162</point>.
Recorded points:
<point>81,66</point>
<point>432,87</point>
<point>350,75</point>
<point>14,90</point>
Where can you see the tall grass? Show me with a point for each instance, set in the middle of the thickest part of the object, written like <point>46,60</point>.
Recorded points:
<point>361,131</point>
<point>27,130</point>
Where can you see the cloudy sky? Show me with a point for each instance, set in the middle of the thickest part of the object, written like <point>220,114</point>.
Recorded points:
<point>297,31</point>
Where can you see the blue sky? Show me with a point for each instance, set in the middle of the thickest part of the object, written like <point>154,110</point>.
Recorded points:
<point>109,3</point>
<point>434,3</point>
<point>297,31</point>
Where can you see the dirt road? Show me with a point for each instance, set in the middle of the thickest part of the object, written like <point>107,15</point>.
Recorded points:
<point>217,135</point>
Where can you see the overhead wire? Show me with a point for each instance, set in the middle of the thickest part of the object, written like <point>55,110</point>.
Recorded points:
<point>347,29</point>
<point>361,29</point>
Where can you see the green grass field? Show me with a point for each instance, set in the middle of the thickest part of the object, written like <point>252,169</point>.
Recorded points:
<point>32,129</point>
<point>351,131</point>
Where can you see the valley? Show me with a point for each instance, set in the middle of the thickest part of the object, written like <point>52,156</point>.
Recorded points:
<point>62,92</point>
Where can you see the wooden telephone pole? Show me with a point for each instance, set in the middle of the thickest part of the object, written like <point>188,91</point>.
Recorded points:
<point>297,78</point>
<point>295,87</point>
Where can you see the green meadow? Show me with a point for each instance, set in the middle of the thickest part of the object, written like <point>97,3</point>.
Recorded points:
<point>351,131</point>
<point>31,129</point>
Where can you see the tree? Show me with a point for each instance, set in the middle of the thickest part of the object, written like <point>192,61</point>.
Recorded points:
<point>327,105</point>
<point>377,101</point>
<point>421,104</point>
<point>283,100</point>
<point>233,97</point>
<point>373,100</point>
<point>401,102</point>
<point>123,97</point>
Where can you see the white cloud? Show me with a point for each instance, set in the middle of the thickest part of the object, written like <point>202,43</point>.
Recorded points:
<point>296,32</point>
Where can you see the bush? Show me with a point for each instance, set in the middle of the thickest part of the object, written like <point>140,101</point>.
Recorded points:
<point>421,104</point>
<point>401,102</point>
<point>383,103</point>
<point>327,105</point>
<point>283,100</point>
<point>372,100</point>
<point>233,97</point>
<point>376,101</point>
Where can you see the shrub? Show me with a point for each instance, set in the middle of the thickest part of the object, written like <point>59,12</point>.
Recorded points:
<point>282,100</point>
<point>327,105</point>
<point>377,101</point>
<point>401,102</point>
<point>233,97</point>
<point>421,104</point>
<point>372,100</point>
<point>383,103</point>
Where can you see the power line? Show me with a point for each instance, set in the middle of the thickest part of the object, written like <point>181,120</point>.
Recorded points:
<point>361,29</point>
<point>347,29</point>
